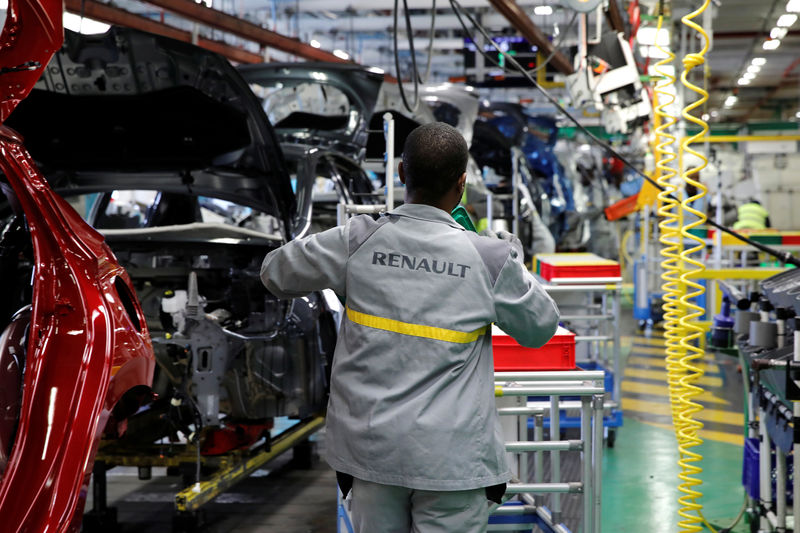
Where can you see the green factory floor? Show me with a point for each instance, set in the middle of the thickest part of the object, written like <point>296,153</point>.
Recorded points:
<point>640,473</point>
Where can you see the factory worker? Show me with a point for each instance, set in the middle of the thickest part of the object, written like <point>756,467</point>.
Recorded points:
<point>411,423</point>
<point>752,215</point>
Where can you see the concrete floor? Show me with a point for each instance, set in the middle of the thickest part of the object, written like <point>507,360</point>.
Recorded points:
<point>640,485</point>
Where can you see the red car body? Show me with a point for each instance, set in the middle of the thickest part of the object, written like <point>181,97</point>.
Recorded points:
<point>86,343</point>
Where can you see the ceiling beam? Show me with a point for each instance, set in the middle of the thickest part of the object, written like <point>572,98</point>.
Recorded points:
<point>119,17</point>
<point>523,24</point>
<point>747,34</point>
<point>384,23</point>
<point>338,6</point>
<point>247,30</point>
<point>614,17</point>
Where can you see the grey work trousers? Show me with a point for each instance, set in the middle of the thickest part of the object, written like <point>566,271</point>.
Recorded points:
<point>380,508</point>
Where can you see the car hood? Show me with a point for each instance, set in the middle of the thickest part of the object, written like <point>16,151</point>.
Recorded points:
<point>455,105</point>
<point>297,98</point>
<point>132,110</point>
<point>515,123</point>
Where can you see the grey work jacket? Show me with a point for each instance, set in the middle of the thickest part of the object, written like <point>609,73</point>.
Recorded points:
<point>412,388</point>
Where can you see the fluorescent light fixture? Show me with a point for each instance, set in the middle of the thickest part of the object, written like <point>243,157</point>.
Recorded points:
<point>743,81</point>
<point>778,33</point>
<point>651,37</point>
<point>749,76</point>
<point>730,101</point>
<point>797,114</point>
<point>786,20</point>
<point>85,26</point>
<point>793,6</point>
<point>771,44</point>
<point>714,113</point>
<point>759,61</point>
<point>542,10</point>
<point>341,54</point>
<point>376,70</point>
<point>315,43</point>
<point>705,117</point>
<point>755,69</point>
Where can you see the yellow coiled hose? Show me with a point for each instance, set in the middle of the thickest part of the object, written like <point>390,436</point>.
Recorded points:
<point>669,210</point>
<point>687,427</point>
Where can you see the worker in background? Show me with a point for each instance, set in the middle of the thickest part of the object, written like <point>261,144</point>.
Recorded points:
<point>752,216</point>
<point>411,424</point>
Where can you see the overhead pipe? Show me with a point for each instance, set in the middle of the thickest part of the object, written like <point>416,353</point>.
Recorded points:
<point>119,17</point>
<point>247,30</point>
<point>523,24</point>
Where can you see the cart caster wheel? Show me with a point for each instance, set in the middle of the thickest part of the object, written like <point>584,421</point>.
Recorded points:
<point>187,521</point>
<point>303,456</point>
<point>100,521</point>
<point>612,437</point>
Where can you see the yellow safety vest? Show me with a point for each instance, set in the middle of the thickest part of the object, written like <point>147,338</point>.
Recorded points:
<point>751,216</point>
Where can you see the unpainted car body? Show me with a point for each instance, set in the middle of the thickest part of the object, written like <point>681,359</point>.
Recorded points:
<point>168,153</point>
<point>324,115</point>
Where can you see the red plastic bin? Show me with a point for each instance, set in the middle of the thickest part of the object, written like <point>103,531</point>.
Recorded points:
<point>791,238</point>
<point>575,265</point>
<point>557,354</point>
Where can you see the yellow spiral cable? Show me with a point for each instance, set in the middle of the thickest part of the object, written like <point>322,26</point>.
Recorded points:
<point>688,428</point>
<point>670,236</point>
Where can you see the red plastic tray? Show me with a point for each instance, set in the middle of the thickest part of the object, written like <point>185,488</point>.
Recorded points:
<point>557,354</point>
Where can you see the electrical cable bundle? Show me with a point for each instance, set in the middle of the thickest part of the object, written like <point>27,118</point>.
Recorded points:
<point>416,78</point>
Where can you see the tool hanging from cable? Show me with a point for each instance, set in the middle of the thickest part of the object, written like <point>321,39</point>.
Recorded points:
<point>459,10</point>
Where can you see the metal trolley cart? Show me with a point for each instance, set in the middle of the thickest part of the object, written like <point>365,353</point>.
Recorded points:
<point>520,511</point>
<point>596,325</point>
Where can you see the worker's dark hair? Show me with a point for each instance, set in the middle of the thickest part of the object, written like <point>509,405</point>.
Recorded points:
<point>434,157</point>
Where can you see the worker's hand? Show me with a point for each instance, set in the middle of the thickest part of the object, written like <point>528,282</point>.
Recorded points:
<point>516,244</point>
<point>513,240</point>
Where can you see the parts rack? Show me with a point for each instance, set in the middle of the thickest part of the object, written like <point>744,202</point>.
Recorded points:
<point>590,306</point>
